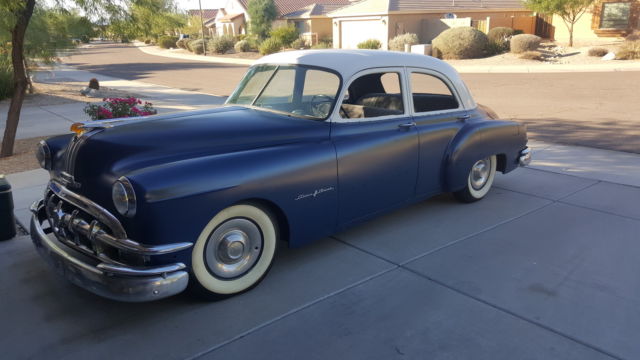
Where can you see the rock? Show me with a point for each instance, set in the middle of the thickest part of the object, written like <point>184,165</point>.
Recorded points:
<point>94,93</point>
<point>609,56</point>
<point>85,91</point>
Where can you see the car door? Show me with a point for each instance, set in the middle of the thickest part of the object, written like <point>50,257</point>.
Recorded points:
<point>376,144</point>
<point>438,114</point>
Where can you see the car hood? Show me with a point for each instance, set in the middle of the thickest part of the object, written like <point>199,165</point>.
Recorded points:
<point>131,146</point>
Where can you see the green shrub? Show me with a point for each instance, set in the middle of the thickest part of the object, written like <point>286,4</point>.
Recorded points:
<point>495,48</point>
<point>167,42</point>
<point>298,44</point>
<point>221,44</point>
<point>242,46</point>
<point>182,43</point>
<point>6,76</point>
<point>253,41</point>
<point>460,43</point>
<point>397,43</point>
<point>285,34</point>
<point>84,38</point>
<point>323,45</point>
<point>499,39</point>
<point>629,50</point>
<point>531,55</point>
<point>524,42</point>
<point>270,46</point>
<point>197,46</point>
<point>598,52</point>
<point>518,32</point>
<point>374,44</point>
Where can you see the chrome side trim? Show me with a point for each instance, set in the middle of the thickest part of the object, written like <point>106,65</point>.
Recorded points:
<point>117,283</point>
<point>524,158</point>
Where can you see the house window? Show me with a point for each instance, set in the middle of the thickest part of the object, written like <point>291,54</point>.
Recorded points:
<point>615,15</point>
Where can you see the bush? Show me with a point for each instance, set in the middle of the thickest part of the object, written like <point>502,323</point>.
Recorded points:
<point>374,44</point>
<point>460,43</point>
<point>398,42</point>
<point>270,46</point>
<point>221,44</point>
<point>323,45</point>
<point>182,43</point>
<point>147,41</point>
<point>524,42</point>
<point>531,55</point>
<point>197,46</point>
<point>629,50</point>
<point>242,46</point>
<point>112,108</point>
<point>598,51</point>
<point>84,38</point>
<point>167,42</point>
<point>6,76</point>
<point>499,39</point>
<point>285,34</point>
<point>634,36</point>
<point>298,44</point>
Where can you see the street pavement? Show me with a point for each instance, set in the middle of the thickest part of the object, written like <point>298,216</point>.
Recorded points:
<point>545,267</point>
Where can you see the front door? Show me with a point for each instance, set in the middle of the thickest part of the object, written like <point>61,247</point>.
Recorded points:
<point>377,146</point>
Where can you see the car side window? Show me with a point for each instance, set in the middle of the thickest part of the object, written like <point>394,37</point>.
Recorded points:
<point>430,93</point>
<point>374,95</point>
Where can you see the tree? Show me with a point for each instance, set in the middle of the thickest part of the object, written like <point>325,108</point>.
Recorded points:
<point>569,10</point>
<point>262,13</point>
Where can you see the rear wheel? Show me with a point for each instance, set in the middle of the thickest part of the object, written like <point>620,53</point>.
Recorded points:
<point>479,180</point>
<point>234,251</point>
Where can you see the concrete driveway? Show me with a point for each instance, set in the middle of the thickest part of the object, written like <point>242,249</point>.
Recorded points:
<point>546,267</point>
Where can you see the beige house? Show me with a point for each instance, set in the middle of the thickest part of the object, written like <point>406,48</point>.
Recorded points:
<point>606,19</point>
<point>312,21</point>
<point>385,19</point>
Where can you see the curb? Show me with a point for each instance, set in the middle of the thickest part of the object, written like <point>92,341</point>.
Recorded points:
<point>612,66</point>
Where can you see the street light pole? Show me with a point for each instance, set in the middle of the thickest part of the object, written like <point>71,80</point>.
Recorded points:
<point>204,40</point>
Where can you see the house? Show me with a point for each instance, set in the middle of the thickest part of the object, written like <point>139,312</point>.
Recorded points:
<point>312,21</point>
<point>605,19</point>
<point>208,16</point>
<point>232,19</point>
<point>385,19</point>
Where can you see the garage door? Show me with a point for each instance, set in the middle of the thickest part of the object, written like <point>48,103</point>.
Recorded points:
<point>356,31</point>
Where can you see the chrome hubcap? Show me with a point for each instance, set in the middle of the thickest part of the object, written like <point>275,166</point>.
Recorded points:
<point>480,173</point>
<point>233,248</point>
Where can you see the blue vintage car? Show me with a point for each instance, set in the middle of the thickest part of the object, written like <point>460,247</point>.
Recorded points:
<point>309,143</point>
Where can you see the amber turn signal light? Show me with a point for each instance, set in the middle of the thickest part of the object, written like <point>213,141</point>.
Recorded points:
<point>78,128</point>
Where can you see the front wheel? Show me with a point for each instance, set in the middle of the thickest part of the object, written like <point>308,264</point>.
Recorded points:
<point>234,251</point>
<point>479,180</point>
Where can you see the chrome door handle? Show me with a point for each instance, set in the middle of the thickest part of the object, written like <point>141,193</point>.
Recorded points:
<point>407,125</point>
<point>464,117</point>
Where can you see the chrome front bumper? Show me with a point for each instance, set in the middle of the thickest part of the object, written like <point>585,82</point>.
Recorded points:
<point>113,281</point>
<point>524,158</point>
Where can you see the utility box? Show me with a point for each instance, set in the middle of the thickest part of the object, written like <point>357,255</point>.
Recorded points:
<point>7,219</point>
<point>422,49</point>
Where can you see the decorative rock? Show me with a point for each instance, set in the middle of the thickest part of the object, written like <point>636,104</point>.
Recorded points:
<point>85,91</point>
<point>609,56</point>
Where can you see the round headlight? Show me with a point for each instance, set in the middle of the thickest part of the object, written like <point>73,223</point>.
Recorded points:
<point>43,154</point>
<point>124,197</point>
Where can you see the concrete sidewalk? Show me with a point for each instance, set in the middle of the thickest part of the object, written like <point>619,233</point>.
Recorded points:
<point>56,119</point>
<point>606,66</point>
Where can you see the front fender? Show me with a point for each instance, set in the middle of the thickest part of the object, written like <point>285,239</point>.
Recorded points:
<point>178,199</point>
<point>480,139</point>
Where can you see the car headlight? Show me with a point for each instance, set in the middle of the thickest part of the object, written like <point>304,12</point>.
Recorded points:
<point>124,197</point>
<point>43,154</point>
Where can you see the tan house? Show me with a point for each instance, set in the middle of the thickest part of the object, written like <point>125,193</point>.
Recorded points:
<point>312,21</point>
<point>606,19</point>
<point>385,19</point>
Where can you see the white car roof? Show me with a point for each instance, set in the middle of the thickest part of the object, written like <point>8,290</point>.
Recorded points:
<point>350,62</point>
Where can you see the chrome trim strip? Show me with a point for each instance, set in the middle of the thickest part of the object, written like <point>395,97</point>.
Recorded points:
<point>136,286</point>
<point>131,271</point>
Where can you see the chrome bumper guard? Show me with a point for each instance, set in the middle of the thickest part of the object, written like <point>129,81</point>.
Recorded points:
<point>525,157</point>
<point>108,279</point>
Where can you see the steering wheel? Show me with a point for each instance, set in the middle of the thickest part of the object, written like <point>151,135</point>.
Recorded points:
<point>320,105</point>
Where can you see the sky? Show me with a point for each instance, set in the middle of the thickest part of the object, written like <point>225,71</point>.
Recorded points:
<point>206,4</point>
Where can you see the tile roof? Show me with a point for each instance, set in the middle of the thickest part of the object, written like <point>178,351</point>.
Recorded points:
<point>385,6</point>
<point>288,6</point>
<point>314,10</point>
<point>206,13</point>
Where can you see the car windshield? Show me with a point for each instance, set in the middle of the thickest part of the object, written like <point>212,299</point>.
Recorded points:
<point>295,90</point>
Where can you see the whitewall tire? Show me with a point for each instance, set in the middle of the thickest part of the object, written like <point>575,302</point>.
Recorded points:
<point>479,180</point>
<point>234,251</point>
